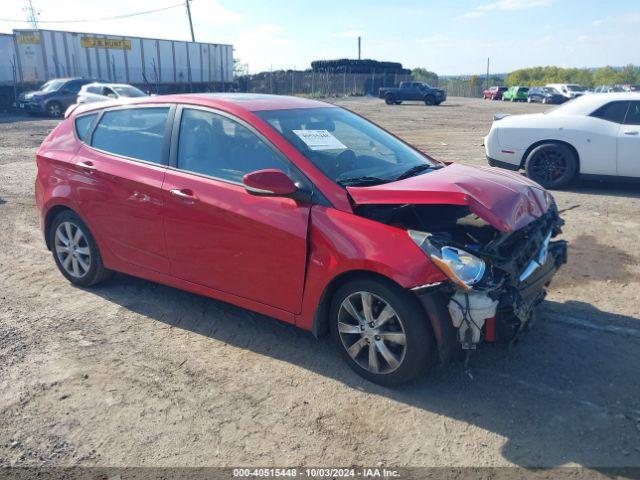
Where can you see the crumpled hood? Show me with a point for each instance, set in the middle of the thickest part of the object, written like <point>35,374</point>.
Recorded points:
<point>504,199</point>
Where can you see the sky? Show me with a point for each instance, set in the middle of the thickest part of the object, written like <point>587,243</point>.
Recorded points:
<point>449,37</point>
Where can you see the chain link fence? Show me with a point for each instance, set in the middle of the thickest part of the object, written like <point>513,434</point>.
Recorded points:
<point>340,84</point>
<point>319,84</point>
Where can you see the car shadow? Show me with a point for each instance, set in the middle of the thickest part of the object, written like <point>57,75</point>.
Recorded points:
<point>627,187</point>
<point>564,393</point>
<point>16,117</point>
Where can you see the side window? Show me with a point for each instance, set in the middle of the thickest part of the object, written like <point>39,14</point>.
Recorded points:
<point>73,86</point>
<point>83,124</point>
<point>133,132</point>
<point>612,112</point>
<point>214,145</point>
<point>633,115</point>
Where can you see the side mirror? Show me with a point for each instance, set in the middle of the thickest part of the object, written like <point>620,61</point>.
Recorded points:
<point>269,182</point>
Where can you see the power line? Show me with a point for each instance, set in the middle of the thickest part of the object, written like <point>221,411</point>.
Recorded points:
<point>116,17</point>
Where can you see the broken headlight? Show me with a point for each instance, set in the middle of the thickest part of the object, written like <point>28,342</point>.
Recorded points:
<point>463,268</point>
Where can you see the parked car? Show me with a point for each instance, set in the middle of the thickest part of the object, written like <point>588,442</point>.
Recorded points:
<point>101,92</point>
<point>302,211</point>
<point>52,98</point>
<point>418,91</point>
<point>569,90</point>
<point>592,135</point>
<point>544,95</point>
<point>494,93</point>
<point>609,89</point>
<point>516,94</point>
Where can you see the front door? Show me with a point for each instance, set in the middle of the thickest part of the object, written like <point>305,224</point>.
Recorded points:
<point>629,143</point>
<point>219,235</point>
<point>119,183</point>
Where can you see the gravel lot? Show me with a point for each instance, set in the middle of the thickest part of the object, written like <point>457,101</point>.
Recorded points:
<point>134,373</point>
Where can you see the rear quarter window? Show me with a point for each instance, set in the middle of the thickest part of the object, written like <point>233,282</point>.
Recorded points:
<point>612,112</point>
<point>83,125</point>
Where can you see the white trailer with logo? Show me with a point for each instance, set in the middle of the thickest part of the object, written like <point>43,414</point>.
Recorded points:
<point>9,73</point>
<point>157,65</point>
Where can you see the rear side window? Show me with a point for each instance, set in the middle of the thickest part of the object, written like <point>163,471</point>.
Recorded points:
<point>83,125</point>
<point>633,115</point>
<point>613,112</point>
<point>214,145</point>
<point>134,132</point>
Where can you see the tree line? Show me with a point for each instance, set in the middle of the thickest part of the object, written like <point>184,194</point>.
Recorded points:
<point>629,74</point>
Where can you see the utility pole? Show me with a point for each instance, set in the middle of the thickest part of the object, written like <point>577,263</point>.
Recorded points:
<point>193,37</point>
<point>32,15</point>
<point>487,87</point>
<point>359,49</point>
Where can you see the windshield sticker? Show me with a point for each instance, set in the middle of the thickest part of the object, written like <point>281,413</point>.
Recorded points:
<point>319,140</point>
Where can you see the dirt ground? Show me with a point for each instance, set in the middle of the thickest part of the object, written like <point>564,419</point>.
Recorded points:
<point>137,374</point>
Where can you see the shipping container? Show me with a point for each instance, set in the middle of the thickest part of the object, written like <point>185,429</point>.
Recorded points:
<point>8,70</point>
<point>155,64</point>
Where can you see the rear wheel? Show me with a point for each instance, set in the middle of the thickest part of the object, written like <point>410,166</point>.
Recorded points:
<point>552,165</point>
<point>54,109</point>
<point>389,99</point>
<point>75,251</point>
<point>381,331</point>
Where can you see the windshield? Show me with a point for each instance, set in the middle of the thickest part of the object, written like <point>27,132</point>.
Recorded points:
<point>129,91</point>
<point>576,88</point>
<point>52,85</point>
<point>345,147</point>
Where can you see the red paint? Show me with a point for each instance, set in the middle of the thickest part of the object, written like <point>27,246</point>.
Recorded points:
<point>504,199</point>
<point>490,329</point>
<point>268,253</point>
<point>269,181</point>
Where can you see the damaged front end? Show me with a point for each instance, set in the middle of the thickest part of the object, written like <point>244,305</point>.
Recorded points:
<point>496,277</point>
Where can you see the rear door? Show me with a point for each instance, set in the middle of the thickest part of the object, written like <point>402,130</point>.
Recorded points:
<point>629,143</point>
<point>120,170</point>
<point>220,236</point>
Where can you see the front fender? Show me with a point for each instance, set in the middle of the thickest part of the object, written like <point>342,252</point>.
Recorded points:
<point>342,242</point>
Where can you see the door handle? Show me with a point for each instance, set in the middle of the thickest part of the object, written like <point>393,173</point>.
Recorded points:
<point>631,132</point>
<point>184,194</point>
<point>87,165</point>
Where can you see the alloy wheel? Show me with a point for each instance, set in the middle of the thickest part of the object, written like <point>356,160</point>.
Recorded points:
<point>549,166</point>
<point>372,332</point>
<point>72,249</point>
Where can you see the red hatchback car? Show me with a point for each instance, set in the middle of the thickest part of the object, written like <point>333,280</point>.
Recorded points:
<point>305,212</point>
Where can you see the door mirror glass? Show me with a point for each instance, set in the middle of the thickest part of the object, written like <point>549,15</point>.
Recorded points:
<point>269,182</point>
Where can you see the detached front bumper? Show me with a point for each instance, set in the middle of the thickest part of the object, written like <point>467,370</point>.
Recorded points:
<point>516,302</point>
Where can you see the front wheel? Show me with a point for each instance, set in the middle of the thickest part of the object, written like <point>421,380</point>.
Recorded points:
<point>429,100</point>
<point>75,251</point>
<point>381,331</point>
<point>552,165</point>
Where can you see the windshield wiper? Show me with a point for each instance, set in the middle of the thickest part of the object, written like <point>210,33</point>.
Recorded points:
<point>416,170</point>
<point>361,181</point>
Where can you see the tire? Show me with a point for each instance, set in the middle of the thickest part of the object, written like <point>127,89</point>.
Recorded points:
<point>408,323</point>
<point>552,165</point>
<point>429,100</point>
<point>87,268</point>
<point>528,99</point>
<point>398,102</point>
<point>54,109</point>
<point>389,99</point>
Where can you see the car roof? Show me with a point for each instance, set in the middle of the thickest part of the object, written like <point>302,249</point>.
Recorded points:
<point>105,84</point>
<point>227,101</point>
<point>587,104</point>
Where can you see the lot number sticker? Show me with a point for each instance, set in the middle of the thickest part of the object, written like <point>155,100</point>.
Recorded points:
<point>319,140</point>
